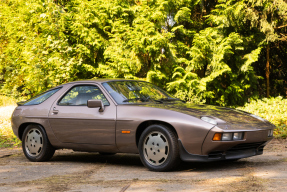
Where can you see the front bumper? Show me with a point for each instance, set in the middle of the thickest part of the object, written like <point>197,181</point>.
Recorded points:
<point>252,144</point>
<point>237,152</point>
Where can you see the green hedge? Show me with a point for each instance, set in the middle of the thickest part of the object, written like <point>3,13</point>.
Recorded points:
<point>274,110</point>
<point>201,52</point>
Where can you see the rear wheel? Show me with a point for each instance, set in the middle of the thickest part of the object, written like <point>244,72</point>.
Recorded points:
<point>158,148</point>
<point>35,144</point>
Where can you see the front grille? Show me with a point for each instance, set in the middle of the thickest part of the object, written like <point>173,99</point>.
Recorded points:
<point>244,146</point>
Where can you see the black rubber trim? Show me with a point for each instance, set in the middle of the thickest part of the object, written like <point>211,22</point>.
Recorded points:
<point>220,155</point>
<point>186,156</point>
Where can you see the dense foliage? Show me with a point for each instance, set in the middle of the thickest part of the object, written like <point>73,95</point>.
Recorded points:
<point>274,110</point>
<point>218,51</point>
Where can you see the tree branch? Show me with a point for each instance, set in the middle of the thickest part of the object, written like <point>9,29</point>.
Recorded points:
<point>281,26</point>
<point>284,37</point>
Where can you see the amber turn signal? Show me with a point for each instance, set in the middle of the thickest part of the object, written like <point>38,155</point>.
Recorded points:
<point>126,131</point>
<point>217,137</point>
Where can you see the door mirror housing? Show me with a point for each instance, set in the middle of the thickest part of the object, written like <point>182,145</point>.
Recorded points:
<point>94,103</point>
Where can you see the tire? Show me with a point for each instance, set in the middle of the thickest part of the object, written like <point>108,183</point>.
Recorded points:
<point>158,148</point>
<point>231,160</point>
<point>35,144</point>
<point>104,153</point>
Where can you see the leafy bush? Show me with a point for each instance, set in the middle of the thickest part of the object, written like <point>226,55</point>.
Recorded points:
<point>274,110</point>
<point>7,137</point>
<point>6,101</point>
<point>201,52</point>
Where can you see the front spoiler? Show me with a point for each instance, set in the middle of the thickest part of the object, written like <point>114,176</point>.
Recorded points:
<point>220,155</point>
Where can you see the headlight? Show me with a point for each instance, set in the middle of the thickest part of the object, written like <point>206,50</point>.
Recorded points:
<point>209,120</point>
<point>228,136</point>
<point>237,136</point>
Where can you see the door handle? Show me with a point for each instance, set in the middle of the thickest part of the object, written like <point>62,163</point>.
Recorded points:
<point>55,112</point>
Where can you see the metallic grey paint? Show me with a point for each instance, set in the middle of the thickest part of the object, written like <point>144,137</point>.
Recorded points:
<point>88,129</point>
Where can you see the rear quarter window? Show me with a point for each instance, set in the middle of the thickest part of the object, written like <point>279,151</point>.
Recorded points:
<point>42,97</point>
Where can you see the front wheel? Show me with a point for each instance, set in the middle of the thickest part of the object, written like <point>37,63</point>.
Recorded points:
<point>35,144</point>
<point>158,148</point>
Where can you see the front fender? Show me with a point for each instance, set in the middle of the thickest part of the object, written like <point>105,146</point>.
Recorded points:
<point>190,130</point>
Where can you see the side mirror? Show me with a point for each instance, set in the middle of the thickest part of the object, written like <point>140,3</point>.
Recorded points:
<point>94,103</point>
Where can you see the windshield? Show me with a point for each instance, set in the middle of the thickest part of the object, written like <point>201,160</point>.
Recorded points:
<point>125,92</point>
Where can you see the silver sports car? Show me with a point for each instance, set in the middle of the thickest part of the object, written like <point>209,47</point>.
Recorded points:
<point>128,116</point>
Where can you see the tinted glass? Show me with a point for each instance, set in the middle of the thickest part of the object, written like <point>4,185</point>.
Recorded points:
<point>41,98</point>
<point>79,95</point>
<point>136,92</point>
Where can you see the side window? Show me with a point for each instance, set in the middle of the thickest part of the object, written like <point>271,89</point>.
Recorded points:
<point>79,95</point>
<point>42,97</point>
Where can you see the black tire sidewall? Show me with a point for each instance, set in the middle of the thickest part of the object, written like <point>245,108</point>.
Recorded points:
<point>173,155</point>
<point>40,157</point>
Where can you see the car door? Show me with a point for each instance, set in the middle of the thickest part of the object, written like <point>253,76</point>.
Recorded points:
<point>73,122</point>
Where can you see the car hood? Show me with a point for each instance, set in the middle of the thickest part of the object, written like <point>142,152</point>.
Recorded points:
<point>224,115</point>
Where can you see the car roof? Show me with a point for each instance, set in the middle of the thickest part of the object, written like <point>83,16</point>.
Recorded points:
<point>99,81</point>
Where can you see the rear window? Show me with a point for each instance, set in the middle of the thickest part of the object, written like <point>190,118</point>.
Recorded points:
<point>42,97</point>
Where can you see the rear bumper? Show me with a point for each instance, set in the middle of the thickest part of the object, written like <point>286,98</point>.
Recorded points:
<point>235,152</point>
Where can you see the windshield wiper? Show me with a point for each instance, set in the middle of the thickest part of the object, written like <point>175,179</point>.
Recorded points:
<point>157,100</point>
<point>170,99</point>
<point>142,99</point>
<point>133,99</point>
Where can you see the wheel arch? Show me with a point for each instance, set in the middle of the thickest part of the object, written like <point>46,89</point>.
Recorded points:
<point>23,126</point>
<point>147,123</point>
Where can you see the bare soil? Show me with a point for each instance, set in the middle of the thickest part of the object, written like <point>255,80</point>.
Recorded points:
<point>75,171</point>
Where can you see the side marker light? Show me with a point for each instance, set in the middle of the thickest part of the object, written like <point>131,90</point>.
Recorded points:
<point>217,137</point>
<point>126,132</point>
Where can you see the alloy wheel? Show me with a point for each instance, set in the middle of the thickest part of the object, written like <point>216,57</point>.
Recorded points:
<point>34,142</point>
<point>155,148</point>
